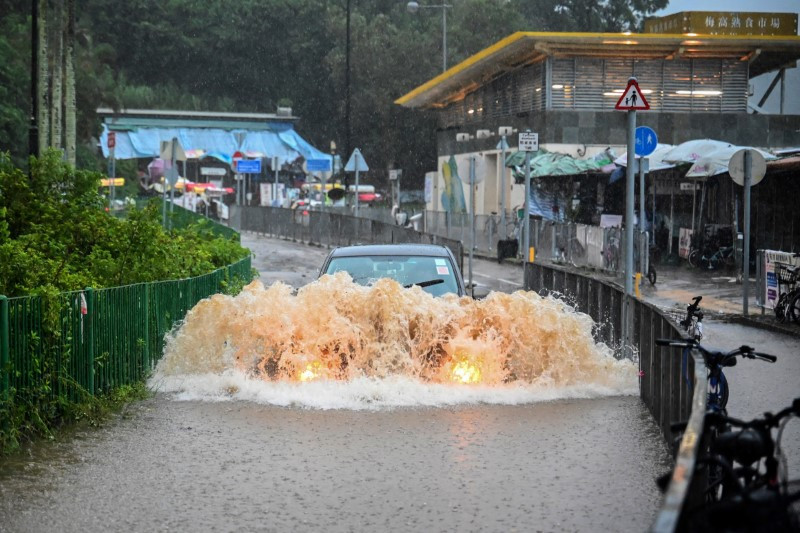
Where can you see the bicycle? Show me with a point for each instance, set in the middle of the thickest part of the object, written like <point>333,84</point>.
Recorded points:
<point>788,305</point>
<point>718,393</point>
<point>692,322</point>
<point>755,496</point>
<point>722,257</point>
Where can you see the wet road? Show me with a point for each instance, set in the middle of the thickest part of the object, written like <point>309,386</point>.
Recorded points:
<point>164,464</point>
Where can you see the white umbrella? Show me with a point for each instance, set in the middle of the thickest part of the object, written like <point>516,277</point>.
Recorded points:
<point>691,151</point>
<point>656,158</point>
<point>716,162</point>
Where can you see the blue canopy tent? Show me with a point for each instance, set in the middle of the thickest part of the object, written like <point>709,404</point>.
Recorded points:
<point>145,142</point>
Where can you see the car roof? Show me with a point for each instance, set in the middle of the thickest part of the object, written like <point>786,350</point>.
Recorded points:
<point>432,250</point>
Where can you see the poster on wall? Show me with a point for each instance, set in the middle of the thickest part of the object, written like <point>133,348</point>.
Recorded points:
<point>684,242</point>
<point>266,194</point>
<point>771,288</point>
<point>428,188</point>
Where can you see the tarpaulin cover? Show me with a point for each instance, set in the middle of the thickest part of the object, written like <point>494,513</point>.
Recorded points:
<point>544,163</point>
<point>144,142</point>
<point>716,161</point>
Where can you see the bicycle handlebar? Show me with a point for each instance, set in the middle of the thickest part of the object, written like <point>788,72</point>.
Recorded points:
<point>768,420</point>
<point>717,356</point>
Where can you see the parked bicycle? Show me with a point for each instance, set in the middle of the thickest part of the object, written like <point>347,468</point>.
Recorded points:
<point>692,321</point>
<point>718,393</point>
<point>787,308</point>
<point>756,493</point>
<point>722,257</point>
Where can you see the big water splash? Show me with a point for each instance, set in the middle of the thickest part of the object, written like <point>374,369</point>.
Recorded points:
<point>337,344</point>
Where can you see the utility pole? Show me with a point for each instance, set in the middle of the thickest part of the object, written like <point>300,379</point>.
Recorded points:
<point>33,129</point>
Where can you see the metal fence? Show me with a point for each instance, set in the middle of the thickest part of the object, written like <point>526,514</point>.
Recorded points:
<point>332,229</point>
<point>560,242</point>
<point>91,341</point>
<point>672,387</point>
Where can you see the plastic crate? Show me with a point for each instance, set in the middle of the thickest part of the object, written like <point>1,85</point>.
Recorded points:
<point>786,274</point>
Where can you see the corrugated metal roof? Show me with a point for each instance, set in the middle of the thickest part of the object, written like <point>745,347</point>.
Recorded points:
<point>764,53</point>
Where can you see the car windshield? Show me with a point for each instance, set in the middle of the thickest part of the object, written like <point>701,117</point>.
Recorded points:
<point>406,270</point>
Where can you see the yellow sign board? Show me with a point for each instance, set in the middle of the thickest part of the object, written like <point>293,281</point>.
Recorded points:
<point>118,182</point>
<point>724,23</point>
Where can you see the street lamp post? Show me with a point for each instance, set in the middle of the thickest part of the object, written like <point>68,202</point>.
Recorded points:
<point>413,7</point>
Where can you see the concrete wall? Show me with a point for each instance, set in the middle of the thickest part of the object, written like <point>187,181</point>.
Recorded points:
<point>607,128</point>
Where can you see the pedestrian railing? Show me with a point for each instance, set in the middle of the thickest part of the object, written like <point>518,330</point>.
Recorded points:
<point>580,245</point>
<point>91,341</point>
<point>671,387</point>
<point>332,229</point>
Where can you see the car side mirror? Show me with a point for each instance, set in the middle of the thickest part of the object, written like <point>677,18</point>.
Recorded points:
<point>480,292</point>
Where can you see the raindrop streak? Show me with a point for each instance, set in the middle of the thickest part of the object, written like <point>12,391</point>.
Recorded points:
<point>336,344</point>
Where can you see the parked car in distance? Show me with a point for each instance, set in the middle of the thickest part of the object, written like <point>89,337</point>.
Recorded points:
<point>432,267</point>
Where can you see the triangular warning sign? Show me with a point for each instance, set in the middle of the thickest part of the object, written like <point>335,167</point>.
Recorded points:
<point>632,98</point>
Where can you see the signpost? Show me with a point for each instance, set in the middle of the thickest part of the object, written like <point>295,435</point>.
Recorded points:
<point>112,171</point>
<point>528,142</point>
<point>394,181</point>
<point>238,156</point>
<point>249,166</point>
<point>646,141</point>
<point>631,100</point>
<point>318,165</point>
<point>747,168</point>
<point>356,164</point>
<point>173,152</point>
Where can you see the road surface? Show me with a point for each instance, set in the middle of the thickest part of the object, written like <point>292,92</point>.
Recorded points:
<point>226,465</point>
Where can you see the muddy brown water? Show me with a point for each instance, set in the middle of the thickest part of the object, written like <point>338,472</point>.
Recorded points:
<point>241,462</point>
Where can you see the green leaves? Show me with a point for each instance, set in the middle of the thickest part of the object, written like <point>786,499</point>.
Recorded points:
<point>55,235</point>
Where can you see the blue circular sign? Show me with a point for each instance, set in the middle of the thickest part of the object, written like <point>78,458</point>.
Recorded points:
<point>646,141</point>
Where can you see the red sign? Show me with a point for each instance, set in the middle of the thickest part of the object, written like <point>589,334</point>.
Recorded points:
<point>237,155</point>
<point>632,98</point>
<point>112,139</point>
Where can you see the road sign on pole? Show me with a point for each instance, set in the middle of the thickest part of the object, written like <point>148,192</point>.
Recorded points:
<point>736,167</point>
<point>632,98</point>
<point>318,165</point>
<point>746,167</point>
<point>356,162</point>
<point>249,166</point>
<point>112,140</point>
<point>646,141</point>
<point>528,141</point>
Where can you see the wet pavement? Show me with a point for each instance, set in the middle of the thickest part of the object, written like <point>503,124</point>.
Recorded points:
<point>237,466</point>
<point>164,464</point>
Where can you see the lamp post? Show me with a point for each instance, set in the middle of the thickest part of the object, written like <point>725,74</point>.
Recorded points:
<point>413,7</point>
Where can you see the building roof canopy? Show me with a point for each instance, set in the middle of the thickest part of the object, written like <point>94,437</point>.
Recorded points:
<point>765,53</point>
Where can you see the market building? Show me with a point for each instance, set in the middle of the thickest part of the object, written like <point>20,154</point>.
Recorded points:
<point>564,86</point>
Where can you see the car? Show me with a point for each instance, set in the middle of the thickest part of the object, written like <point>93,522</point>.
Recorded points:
<point>431,267</point>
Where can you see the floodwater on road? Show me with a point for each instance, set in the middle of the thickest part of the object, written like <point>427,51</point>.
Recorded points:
<point>583,465</point>
<point>567,447</point>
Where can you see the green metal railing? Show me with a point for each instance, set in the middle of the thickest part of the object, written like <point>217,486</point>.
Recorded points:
<point>91,341</point>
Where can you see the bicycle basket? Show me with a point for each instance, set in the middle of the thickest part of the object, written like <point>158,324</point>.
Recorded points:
<point>786,273</point>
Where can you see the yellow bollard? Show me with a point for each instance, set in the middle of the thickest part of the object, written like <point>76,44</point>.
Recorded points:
<point>637,280</point>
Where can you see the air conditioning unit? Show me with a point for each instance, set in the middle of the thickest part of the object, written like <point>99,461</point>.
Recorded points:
<point>284,112</point>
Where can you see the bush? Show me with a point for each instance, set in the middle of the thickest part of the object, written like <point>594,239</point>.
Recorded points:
<point>55,235</point>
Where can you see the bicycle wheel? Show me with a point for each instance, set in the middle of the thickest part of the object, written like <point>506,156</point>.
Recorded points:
<point>694,258</point>
<point>780,308</point>
<point>794,306</point>
<point>651,275</point>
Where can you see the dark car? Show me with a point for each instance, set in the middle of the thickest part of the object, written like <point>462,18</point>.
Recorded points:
<point>429,266</point>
